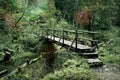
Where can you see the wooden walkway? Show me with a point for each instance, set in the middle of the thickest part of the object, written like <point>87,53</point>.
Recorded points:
<point>68,43</point>
<point>63,37</point>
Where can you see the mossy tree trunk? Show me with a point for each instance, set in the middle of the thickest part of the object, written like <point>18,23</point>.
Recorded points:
<point>48,53</point>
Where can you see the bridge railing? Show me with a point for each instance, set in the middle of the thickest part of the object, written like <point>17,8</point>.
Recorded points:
<point>74,35</point>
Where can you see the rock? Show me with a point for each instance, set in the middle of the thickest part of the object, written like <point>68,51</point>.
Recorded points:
<point>106,69</point>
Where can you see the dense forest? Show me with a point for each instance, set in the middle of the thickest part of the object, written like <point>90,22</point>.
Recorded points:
<point>26,55</point>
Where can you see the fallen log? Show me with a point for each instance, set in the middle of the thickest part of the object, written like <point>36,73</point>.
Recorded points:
<point>3,71</point>
<point>19,68</point>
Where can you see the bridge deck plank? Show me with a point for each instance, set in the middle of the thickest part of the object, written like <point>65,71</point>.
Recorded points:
<point>66,42</point>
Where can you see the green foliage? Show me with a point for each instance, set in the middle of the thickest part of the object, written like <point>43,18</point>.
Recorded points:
<point>54,23</point>
<point>8,4</point>
<point>16,77</point>
<point>51,22</point>
<point>76,63</point>
<point>101,11</point>
<point>68,7</point>
<point>111,58</point>
<point>29,38</point>
<point>71,74</point>
<point>114,46</point>
<point>4,28</point>
<point>104,14</point>
<point>110,51</point>
<point>73,71</point>
<point>67,65</point>
<point>50,9</point>
<point>21,55</point>
<point>1,55</point>
<point>75,68</point>
<point>66,59</point>
<point>34,71</point>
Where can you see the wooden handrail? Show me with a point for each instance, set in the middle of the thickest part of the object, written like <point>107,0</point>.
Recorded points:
<point>85,31</point>
<point>87,39</point>
<point>72,31</point>
<point>71,44</point>
<point>61,34</point>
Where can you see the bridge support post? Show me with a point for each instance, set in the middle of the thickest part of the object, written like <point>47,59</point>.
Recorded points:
<point>63,37</point>
<point>92,42</point>
<point>53,34</point>
<point>76,35</point>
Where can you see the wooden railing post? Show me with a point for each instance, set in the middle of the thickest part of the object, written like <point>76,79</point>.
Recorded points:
<point>53,34</point>
<point>92,42</point>
<point>76,35</point>
<point>63,36</point>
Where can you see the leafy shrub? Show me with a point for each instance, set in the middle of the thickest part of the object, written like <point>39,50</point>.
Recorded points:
<point>110,51</point>
<point>28,37</point>
<point>17,77</point>
<point>70,67</point>
<point>64,58</point>
<point>76,63</point>
<point>111,58</point>
<point>73,70</point>
<point>114,46</point>
<point>71,74</point>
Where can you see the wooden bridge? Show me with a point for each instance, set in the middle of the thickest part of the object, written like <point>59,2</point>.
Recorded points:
<point>80,41</point>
